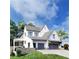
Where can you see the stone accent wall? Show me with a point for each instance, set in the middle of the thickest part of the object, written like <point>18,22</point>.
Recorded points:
<point>24,50</point>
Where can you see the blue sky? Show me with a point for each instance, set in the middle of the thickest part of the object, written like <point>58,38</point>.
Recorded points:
<point>53,13</point>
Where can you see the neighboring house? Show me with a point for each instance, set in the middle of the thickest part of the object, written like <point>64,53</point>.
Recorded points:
<point>39,38</point>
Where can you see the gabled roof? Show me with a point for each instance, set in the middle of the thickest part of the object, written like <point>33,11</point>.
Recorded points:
<point>47,34</point>
<point>44,37</point>
<point>33,28</point>
<point>20,33</point>
<point>38,38</point>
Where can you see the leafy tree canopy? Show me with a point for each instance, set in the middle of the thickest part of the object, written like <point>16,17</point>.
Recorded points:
<point>31,24</point>
<point>62,34</point>
<point>13,29</point>
<point>21,25</point>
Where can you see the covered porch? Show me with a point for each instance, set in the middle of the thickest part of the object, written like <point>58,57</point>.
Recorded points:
<point>22,43</point>
<point>19,42</point>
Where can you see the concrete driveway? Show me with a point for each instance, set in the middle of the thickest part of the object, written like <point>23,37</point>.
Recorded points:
<point>64,53</point>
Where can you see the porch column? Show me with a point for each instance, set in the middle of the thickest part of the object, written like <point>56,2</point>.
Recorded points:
<point>46,45</point>
<point>14,45</point>
<point>59,46</point>
<point>36,45</point>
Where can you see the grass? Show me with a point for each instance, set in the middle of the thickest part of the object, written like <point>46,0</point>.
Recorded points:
<point>38,55</point>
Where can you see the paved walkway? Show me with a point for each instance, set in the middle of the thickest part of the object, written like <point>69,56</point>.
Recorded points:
<point>64,53</point>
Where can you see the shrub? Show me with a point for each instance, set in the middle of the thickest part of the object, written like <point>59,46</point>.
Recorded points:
<point>66,46</point>
<point>12,54</point>
<point>19,52</point>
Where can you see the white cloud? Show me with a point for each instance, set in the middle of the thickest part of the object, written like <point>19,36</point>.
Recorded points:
<point>31,8</point>
<point>55,26</point>
<point>63,26</point>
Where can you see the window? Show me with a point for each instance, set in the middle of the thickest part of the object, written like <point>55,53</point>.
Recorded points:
<point>16,43</point>
<point>36,34</point>
<point>29,34</point>
<point>25,34</point>
<point>28,45</point>
<point>21,43</point>
<point>53,36</point>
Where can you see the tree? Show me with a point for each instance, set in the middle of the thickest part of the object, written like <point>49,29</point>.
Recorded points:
<point>13,31</point>
<point>21,25</point>
<point>62,34</point>
<point>31,24</point>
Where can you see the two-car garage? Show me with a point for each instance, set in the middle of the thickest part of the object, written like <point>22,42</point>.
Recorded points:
<point>51,46</point>
<point>46,45</point>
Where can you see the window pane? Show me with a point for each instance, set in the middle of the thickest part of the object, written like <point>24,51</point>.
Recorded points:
<point>16,43</point>
<point>53,36</point>
<point>29,34</point>
<point>28,45</point>
<point>36,33</point>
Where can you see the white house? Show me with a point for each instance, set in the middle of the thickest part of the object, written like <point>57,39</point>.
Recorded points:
<point>38,38</point>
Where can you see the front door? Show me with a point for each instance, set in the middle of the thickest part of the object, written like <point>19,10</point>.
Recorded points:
<point>34,45</point>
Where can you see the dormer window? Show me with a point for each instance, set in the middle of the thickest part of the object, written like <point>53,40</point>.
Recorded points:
<point>29,34</point>
<point>53,36</point>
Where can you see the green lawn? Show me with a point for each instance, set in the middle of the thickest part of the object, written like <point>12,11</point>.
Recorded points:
<point>38,55</point>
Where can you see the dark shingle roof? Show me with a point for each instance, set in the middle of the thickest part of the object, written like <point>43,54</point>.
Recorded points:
<point>38,38</point>
<point>47,34</point>
<point>44,37</point>
<point>20,33</point>
<point>33,28</point>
